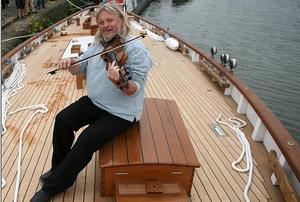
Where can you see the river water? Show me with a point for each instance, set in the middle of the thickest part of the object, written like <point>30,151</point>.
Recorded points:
<point>264,36</point>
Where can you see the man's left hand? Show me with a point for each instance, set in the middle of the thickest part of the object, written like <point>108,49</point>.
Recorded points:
<point>113,73</point>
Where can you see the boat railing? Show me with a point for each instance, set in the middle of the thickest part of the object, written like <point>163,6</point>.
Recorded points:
<point>267,127</point>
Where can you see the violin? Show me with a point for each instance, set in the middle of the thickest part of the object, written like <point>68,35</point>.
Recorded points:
<point>118,55</point>
<point>101,53</point>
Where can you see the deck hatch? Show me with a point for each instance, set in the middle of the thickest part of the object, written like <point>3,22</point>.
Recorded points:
<point>217,129</point>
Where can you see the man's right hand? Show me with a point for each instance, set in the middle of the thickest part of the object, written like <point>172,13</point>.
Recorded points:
<point>65,63</point>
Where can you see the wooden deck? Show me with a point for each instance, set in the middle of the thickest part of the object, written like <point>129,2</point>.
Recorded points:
<point>173,77</point>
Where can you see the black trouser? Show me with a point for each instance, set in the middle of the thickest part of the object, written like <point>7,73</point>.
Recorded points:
<point>68,161</point>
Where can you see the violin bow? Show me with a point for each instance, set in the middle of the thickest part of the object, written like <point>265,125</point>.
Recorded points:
<point>101,53</point>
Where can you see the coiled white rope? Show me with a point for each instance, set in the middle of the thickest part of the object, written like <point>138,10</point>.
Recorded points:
<point>39,109</point>
<point>10,87</point>
<point>237,124</point>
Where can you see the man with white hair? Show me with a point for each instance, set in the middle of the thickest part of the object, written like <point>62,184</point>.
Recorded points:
<point>111,106</point>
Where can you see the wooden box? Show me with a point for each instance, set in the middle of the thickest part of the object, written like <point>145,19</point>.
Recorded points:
<point>157,148</point>
<point>75,48</point>
<point>93,29</point>
<point>87,23</point>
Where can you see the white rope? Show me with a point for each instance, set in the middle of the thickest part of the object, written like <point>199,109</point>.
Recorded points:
<point>237,124</point>
<point>18,37</point>
<point>10,87</point>
<point>39,109</point>
<point>74,5</point>
<point>3,183</point>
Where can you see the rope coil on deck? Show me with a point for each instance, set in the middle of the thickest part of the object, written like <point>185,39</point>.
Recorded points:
<point>237,124</point>
<point>10,88</point>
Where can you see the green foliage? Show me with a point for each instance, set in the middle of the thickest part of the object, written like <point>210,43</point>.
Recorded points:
<point>38,24</point>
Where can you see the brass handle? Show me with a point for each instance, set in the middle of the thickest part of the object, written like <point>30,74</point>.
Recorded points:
<point>176,173</point>
<point>121,174</point>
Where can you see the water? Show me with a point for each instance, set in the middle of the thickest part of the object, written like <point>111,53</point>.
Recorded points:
<point>264,36</point>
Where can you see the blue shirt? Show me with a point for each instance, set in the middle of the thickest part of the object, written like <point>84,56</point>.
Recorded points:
<point>104,94</point>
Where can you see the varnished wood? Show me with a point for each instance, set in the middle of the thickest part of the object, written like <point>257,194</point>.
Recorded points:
<point>215,74</point>
<point>160,140</point>
<point>135,192</point>
<point>93,29</point>
<point>163,128</point>
<point>87,23</point>
<point>134,148</point>
<point>185,142</point>
<point>106,155</point>
<point>80,79</point>
<point>147,141</point>
<point>287,189</point>
<point>140,173</point>
<point>120,156</point>
<point>173,137</point>
<point>75,48</point>
<point>172,163</point>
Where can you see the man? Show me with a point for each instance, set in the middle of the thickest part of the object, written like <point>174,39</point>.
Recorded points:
<point>111,106</point>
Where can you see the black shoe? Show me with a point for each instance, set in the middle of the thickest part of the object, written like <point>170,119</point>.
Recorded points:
<point>45,176</point>
<point>41,196</point>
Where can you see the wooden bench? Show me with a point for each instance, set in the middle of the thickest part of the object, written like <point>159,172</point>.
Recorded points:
<point>153,158</point>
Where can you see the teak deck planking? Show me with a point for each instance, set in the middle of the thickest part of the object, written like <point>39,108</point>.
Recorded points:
<point>174,77</point>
